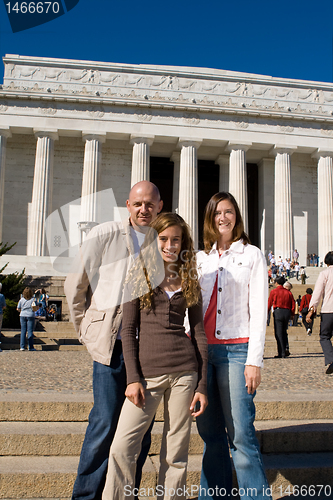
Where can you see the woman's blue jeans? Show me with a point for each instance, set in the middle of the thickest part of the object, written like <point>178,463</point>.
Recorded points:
<point>27,325</point>
<point>229,418</point>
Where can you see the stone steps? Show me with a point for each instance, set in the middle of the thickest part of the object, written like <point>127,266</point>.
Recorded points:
<point>53,477</point>
<point>41,437</point>
<point>33,408</point>
<point>65,438</point>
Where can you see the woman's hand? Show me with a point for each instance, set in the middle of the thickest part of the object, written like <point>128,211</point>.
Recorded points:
<point>252,378</point>
<point>136,394</point>
<point>198,398</point>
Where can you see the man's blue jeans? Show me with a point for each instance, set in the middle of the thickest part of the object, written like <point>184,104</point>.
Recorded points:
<point>27,325</point>
<point>109,385</point>
<point>229,417</point>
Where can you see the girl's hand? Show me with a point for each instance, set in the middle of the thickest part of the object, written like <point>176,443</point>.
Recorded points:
<point>198,398</point>
<point>136,394</point>
<point>252,378</point>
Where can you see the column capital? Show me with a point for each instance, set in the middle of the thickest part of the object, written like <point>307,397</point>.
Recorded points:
<point>222,160</point>
<point>137,139</point>
<point>236,146</point>
<point>90,136</point>
<point>278,149</point>
<point>51,133</point>
<point>322,153</point>
<point>5,132</point>
<point>175,156</point>
<point>185,141</point>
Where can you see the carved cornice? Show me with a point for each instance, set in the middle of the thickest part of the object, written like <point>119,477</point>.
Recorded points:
<point>192,90</point>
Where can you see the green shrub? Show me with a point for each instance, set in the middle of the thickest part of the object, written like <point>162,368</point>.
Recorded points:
<point>11,317</point>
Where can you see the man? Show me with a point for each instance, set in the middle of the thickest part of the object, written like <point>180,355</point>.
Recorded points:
<point>2,307</point>
<point>324,291</point>
<point>94,293</point>
<point>288,286</point>
<point>283,305</point>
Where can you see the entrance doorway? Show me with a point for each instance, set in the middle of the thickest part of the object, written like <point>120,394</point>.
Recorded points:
<point>208,184</point>
<point>253,202</point>
<point>161,174</point>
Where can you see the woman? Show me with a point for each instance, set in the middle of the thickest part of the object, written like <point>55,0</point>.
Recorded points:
<point>324,290</point>
<point>43,301</point>
<point>161,361</point>
<point>234,290</point>
<point>304,309</point>
<point>27,318</point>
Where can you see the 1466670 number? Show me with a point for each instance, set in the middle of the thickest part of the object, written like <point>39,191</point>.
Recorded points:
<point>33,7</point>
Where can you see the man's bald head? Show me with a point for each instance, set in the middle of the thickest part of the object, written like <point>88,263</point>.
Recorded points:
<point>144,203</point>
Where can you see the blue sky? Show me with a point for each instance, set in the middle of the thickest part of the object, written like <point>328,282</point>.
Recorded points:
<point>291,39</point>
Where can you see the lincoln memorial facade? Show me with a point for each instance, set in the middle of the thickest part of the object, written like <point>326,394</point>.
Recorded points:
<point>76,135</point>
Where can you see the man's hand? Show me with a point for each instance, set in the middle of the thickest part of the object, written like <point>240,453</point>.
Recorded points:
<point>309,315</point>
<point>252,378</point>
<point>136,394</point>
<point>198,398</point>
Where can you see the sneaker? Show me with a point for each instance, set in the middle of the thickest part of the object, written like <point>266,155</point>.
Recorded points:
<point>22,349</point>
<point>309,332</point>
<point>32,349</point>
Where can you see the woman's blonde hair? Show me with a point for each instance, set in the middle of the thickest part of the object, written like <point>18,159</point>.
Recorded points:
<point>27,293</point>
<point>150,255</point>
<point>210,233</point>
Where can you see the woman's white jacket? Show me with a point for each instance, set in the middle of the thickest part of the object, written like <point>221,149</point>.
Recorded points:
<point>242,294</point>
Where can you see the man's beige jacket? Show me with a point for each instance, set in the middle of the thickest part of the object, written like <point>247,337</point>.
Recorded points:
<point>94,287</point>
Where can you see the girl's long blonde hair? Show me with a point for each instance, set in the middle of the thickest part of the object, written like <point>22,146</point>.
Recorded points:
<point>148,264</point>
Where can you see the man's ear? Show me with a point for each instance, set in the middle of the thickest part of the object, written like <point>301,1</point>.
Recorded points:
<point>160,206</point>
<point>127,204</point>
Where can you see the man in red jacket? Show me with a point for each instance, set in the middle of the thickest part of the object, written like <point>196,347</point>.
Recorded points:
<point>283,304</point>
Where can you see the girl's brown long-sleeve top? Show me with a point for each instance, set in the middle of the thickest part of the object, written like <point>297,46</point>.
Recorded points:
<point>161,345</point>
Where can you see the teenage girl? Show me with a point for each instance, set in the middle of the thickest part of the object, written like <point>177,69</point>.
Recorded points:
<point>162,362</point>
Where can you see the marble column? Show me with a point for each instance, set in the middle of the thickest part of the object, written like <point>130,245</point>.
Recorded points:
<point>41,204</point>
<point>175,158</point>
<point>238,177</point>
<point>188,185</point>
<point>90,178</point>
<point>4,134</point>
<point>283,228</point>
<point>141,158</point>
<point>325,202</point>
<point>223,162</point>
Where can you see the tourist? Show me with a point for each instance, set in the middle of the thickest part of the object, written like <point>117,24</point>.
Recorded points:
<point>42,301</point>
<point>283,304</point>
<point>94,291</point>
<point>233,279</point>
<point>303,275</point>
<point>296,269</point>
<point>2,307</point>
<point>27,310</point>
<point>304,309</point>
<point>297,314</point>
<point>287,266</point>
<point>324,290</point>
<point>162,363</point>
